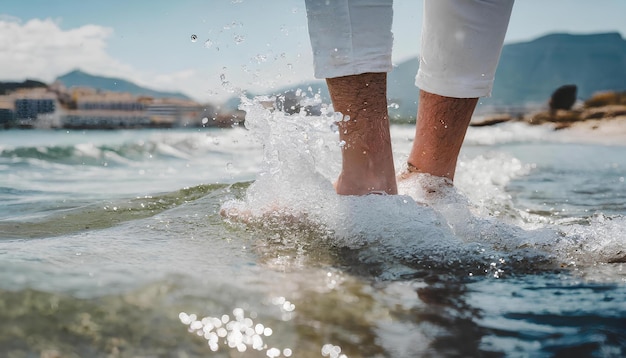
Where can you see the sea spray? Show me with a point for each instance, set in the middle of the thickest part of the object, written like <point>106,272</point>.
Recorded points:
<point>293,148</point>
<point>430,224</point>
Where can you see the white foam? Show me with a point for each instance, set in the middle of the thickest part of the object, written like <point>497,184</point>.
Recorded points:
<point>509,132</point>
<point>472,222</point>
<point>602,240</point>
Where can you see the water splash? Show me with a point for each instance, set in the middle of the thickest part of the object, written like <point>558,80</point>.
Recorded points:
<point>473,228</point>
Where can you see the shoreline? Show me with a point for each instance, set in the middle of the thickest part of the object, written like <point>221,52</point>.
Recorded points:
<point>601,120</point>
<point>609,131</point>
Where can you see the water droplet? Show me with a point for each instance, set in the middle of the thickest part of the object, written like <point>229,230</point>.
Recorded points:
<point>239,39</point>
<point>273,352</point>
<point>194,38</point>
<point>205,120</point>
<point>260,58</point>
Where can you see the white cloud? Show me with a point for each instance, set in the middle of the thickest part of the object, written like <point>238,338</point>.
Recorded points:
<point>40,49</point>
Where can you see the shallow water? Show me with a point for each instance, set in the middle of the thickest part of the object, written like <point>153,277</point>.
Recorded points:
<point>112,244</point>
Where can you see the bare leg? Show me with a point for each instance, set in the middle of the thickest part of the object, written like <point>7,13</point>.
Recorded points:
<point>367,157</point>
<point>439,133</point>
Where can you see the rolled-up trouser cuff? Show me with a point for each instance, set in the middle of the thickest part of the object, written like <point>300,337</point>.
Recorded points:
<point>461,45</point>
<point>350,37</point>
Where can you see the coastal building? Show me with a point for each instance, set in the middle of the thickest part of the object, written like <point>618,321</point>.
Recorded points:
<point>89,108</point>
<point>7,111</point>
<point>7,117</point>
<point>108,101</point>
<point>24,108</point>
<point>100,109</point>
<point>30,108</point>
<point>104,119</point>
<point>175,112</point>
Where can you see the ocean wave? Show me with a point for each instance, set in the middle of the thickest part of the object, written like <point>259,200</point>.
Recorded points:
<point>79,216</point>
<point>77,154</point>
<point>179,146</point>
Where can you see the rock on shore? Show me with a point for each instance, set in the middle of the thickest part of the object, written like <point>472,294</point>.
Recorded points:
<point>600,108</point>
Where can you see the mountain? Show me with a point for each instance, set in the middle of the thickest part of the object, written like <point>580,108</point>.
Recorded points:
<point>81,79</point>
<point>528,72</point>
<point>531,71</point>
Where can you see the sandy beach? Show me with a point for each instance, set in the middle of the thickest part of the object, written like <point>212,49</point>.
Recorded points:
<point>610,131</point>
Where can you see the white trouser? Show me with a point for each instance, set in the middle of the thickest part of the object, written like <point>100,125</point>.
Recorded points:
<point>461,41</point>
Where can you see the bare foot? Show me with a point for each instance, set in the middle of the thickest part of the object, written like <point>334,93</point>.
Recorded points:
<point>423,186</point>
<point>352,183</point>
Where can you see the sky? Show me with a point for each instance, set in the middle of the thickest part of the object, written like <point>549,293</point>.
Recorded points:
<point>212,50</point>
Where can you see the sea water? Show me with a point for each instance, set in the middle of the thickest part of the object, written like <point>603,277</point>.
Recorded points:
<point>232,242</point>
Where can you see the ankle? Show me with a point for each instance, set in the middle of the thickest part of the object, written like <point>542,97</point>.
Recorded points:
<point>353,182</point>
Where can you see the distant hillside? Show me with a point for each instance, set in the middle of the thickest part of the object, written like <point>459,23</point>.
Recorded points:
<point>531,71</point>
<point>82,79</point>
<point>528,72</point>
<point>8,87</point>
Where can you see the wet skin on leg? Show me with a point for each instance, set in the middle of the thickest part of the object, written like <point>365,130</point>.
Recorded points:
<point>367,158</point>
<point>439,133</point>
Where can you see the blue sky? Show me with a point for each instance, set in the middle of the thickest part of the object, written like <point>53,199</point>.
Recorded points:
<point>241,44</point>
